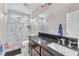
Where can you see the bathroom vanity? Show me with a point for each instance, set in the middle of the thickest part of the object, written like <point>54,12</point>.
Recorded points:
<point>47,45</point>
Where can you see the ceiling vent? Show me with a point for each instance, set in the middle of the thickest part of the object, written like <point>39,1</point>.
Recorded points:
<point>25,4</point>
<point>46,4</point>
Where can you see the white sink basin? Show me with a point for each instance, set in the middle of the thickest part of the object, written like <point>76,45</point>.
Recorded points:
<point>63,50</point>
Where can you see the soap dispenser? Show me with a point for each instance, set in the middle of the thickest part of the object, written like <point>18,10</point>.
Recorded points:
<point>60,30</point>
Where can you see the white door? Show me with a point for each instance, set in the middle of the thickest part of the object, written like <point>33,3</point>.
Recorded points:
<point>72,20</point>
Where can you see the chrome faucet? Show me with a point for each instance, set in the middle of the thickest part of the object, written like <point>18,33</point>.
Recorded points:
<point>69,43</point>
<point>63,41</point>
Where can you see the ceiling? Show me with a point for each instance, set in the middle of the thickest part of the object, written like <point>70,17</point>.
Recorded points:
<point>26,8</point>
<point>53,9</point>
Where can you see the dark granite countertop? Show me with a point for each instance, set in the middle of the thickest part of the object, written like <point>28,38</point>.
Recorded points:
<point>44,41</point>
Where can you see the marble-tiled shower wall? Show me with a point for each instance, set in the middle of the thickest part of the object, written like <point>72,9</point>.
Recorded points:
<point>16,30</point>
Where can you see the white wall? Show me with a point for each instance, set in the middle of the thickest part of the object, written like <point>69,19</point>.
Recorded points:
<point>1,20</point>
<point>1,25</point>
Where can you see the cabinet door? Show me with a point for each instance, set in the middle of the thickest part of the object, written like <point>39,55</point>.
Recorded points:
<point>29,50</point>
<point>35,53</point>
<point>38,48</point>
<point>34,49</point>
<point>44,52</point>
